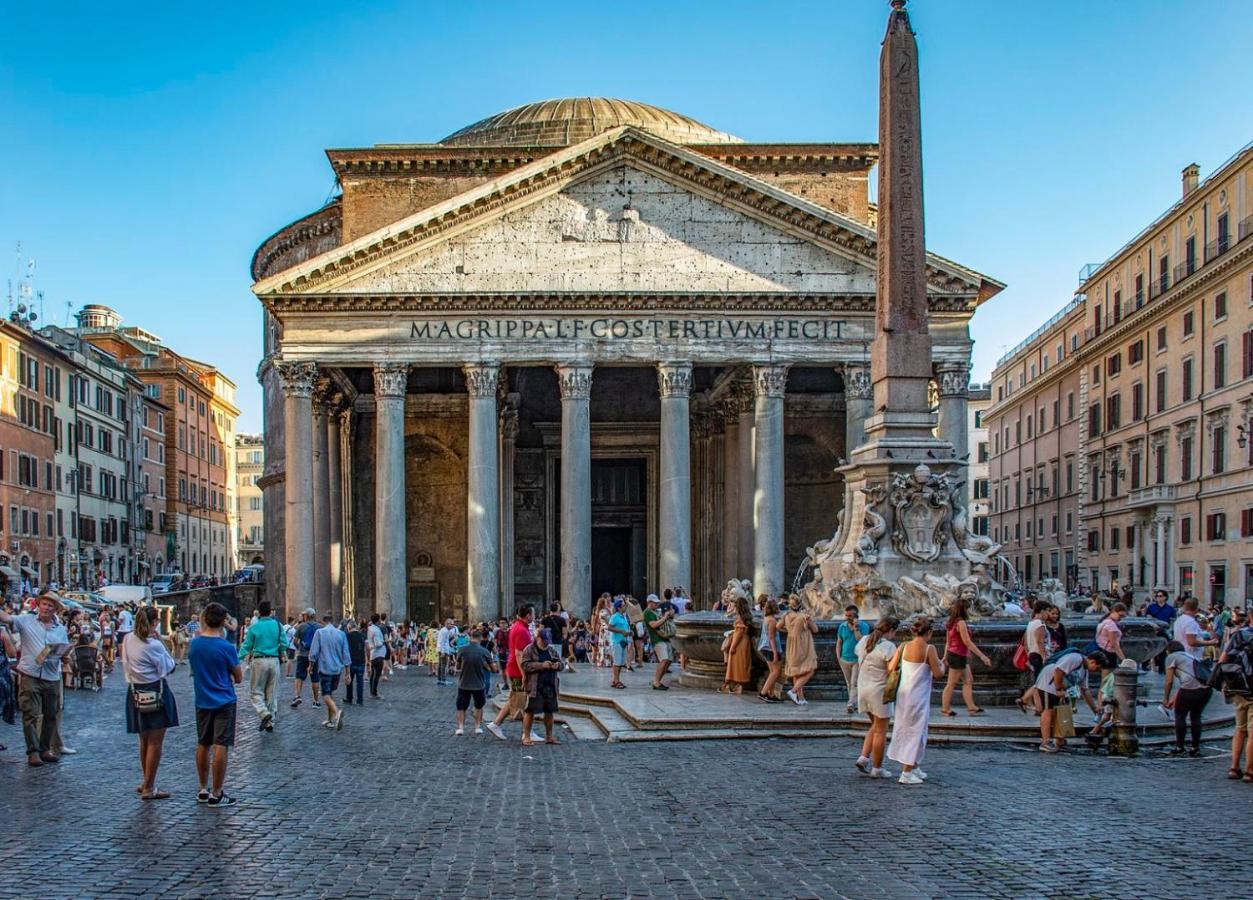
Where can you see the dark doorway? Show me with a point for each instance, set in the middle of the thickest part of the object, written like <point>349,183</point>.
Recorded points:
<point>611,560</point>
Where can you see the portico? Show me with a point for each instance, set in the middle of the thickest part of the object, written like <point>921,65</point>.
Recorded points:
<point>624,361</point>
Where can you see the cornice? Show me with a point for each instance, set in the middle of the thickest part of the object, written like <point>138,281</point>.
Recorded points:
<point>762,302</point>
<point>724,184</point>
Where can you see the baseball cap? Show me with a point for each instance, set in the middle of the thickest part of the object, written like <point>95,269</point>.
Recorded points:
<point>546,634</point>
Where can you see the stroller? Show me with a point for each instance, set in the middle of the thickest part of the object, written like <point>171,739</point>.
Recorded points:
<point>88,667</point>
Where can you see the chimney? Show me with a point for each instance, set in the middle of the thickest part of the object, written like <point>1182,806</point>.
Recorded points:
<point>1191,178</point>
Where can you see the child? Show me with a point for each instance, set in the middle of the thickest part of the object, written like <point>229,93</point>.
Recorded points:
<point>1109,707</point>
<point>579,642</point>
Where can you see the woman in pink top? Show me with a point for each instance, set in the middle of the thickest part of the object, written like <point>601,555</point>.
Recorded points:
<point>958,645</point>
<point>1109,636</point>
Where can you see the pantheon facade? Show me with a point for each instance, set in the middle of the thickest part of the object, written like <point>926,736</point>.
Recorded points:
<point>583,345</point>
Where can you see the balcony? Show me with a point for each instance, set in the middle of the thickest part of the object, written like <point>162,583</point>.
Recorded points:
<point>1153,495</point>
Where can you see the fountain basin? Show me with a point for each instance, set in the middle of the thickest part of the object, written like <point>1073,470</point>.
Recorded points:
<point>699,639</point>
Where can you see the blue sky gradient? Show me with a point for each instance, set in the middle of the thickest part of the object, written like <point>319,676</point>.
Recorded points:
<point>148,149</point>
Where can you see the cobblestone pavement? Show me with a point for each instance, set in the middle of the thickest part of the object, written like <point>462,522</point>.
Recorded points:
<point>395,805</point>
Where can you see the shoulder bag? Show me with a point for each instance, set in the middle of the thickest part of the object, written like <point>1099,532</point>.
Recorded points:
<point>893,682</point>
<point>148,701</point>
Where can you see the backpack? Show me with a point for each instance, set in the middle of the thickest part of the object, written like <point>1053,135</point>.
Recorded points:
<point>1056,655</point>
<point>308,630</point>
<point>1235,676</point>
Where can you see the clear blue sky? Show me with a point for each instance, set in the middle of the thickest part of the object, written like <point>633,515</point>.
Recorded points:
<point>148,148</point>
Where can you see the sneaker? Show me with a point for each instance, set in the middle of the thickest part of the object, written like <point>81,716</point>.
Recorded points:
<point>909,778</point>
<point>478,730</point>
<point>880,773</point>
<point>792,696</point>
<point>1175,751</point>
<point>1048,747</point>
<point>1195,754</point>
<point>328,724</point>
<point>317,702</point>
<point>338,721</point>
<point>850,709</point>
<point>295,703</point>
<point>202,796</point>
<point>66,751</point>
<point>459,732</point>
<point>921,774</point>
<point>496,730</point>
<point>863,765</point>
<point>267,723</point>
<point>220,800</point>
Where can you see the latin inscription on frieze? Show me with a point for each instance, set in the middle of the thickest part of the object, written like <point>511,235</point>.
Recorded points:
<point>630,329</point>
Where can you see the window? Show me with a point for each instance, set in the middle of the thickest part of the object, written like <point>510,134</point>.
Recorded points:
<point>1185,530</point>
<point>1113,365</point>
<point>1094,541</point>
<point>1096,374</point>
<point>1070,521</point>
<point>1094,420</point>
<point>1187,379</point>
<point>1113,539</point>
<point>1070,406</point>
<point>1160,391</point>
<point>1161,338</point>
<point>1246,522</point>
<point>1163,273</point>
<point>1218,452</point>
<point>1070,475</point>
<point>1135,353</point>
<point>1215,526</point>
<point>983,452</point>
<point>1135,468</point>
<point>1117,307</point>
<point>1220,306</point>
<point>1056,409</point>
<point>1246,368</point>
<point>1159,465</point>
<point>1137,402</point>
<point>1185,458</point>
<point>1029,429</point>
<point>1188,324</point>
<point>1113,411</point>
<point>1189,254</point>
<point>1220,365</point>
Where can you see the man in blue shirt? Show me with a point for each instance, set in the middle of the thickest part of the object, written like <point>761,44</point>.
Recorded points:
<point>850,632</point>
<point>1161,608</point>
<point>329,654</point>
<point>215,671</point>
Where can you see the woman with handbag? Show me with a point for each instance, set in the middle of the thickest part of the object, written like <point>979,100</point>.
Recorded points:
<point>917,664</point>
<point>874,652</point>
<point>150,706</point>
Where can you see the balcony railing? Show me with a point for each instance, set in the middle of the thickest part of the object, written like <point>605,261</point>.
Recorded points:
<point>1151,496</point>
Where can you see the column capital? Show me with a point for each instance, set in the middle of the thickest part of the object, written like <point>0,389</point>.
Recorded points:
<point>770,380</point>
<point>857,383</point>
<point>390,379</point>
<point>574,382</point>
<point>952,378</point>
<point>297,378</point>
<point>674,379</point>
<point>482,379</point>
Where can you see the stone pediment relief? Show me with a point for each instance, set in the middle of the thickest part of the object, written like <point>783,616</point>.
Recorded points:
<point>734,193</point>
<point>620,230</point>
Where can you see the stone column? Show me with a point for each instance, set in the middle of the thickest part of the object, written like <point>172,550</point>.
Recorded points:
<point>730,563</point>
<point>746,438</point>
<point>575,383</point>
<point>508,438</point>
<point>1158,531</point>
<point>674,381</point>
<point>298,379</point>
<point>858,405</point>
<point>1168,548</point>
<point>390,575</point>
<point>321,503</point>
<point>953,383</point>
<point>348,568</point>
<point>482,495</point>
<point>335,516</point>
<point>769,384</point>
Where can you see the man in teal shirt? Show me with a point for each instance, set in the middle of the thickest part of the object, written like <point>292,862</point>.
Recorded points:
<point>851,631</point>
<point>263,649</point>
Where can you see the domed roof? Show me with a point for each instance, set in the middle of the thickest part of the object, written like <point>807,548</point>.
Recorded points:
<point>566,121</point>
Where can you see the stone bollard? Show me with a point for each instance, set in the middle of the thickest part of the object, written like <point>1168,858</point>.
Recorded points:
<point>1123,740</point>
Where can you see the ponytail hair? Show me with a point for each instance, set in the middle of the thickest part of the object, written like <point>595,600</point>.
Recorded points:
<point>885,626</point>
<point>145,622</point>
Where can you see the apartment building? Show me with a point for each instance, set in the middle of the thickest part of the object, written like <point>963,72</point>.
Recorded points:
<point>978,486</point>
<point>250,466</point>
<point>1120,450</point>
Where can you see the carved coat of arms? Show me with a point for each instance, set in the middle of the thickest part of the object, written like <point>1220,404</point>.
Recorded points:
<point>922,505</point>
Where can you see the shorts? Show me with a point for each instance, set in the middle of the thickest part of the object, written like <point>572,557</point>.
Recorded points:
<point>664,651</point>
<point>329,683</point>
<point>639,631</point>
<point>1052,701</point>
<point>216,727</point>
<point>465,696</point>
<point>1036,663</point>
<point>302,668</point>
<point>1243,706</point>
<point>542,705</point>
<point>1109,707</point>
<point>956,662</point>
<point>291,653</point>
<point>619,654</point>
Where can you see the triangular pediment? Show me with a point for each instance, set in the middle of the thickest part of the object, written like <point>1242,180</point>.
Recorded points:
<point>621,212</point>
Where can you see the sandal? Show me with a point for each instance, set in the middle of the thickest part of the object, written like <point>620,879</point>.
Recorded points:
<point>155,795</point>
<point>618,684</point>
<point>977,711</point>
<point>527,743</point>
<point>1248,777</point>
<point>1235,774</point>
<point>551,741</point>
<point>947,712</point>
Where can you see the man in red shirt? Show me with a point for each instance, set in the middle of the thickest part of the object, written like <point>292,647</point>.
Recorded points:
<point>519,639</point>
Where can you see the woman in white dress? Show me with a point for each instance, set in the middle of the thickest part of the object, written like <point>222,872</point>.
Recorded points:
<point>919,664</point>
<point>874,652</point>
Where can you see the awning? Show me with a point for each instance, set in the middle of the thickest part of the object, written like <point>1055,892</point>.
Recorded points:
<point>8,572</point>
<point>29,571</point>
